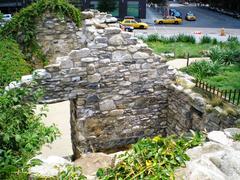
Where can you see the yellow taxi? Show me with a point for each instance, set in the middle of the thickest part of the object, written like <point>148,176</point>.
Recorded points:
<point>168,20</point>
<point>133,23</point>
<point>190,17</point>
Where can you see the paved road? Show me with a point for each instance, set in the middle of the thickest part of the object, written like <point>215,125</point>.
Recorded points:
<point>209,22</point>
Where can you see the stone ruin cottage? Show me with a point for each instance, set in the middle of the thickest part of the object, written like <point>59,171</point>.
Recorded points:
<point>119,90</point>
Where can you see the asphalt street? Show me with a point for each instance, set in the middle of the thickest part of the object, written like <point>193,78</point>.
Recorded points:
<point>208,22</point>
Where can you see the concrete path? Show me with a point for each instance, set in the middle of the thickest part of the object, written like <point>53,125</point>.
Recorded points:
<point>59,114</point>
<point>181,63</point>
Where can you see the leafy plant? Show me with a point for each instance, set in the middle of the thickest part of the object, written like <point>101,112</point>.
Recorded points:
<point>155,158</point>
<point>71,172</point>
<point>185,38</point>
<point>205,40</point>
<point>12,63</point>
<point>22,27</point>
<point>202,69</point>
<point>236,137</point>
<point>153,37</point>
<point>1,16</point>
<point>21,131</point>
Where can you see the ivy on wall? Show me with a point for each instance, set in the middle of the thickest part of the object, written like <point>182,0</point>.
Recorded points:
<point>22,27</point>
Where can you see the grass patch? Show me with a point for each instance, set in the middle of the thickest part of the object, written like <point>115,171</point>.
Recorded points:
<point>236,137</point>
<point>227,78</point>
<point>180,48</point>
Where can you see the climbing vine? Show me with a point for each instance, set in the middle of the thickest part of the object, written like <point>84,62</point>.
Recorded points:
<point>22,27</point>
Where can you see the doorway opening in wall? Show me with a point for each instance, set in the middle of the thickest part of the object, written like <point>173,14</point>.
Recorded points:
<point>59,114</point>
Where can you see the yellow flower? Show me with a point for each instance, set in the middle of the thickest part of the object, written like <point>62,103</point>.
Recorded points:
<point>148,163</point>
<point>156,139</point>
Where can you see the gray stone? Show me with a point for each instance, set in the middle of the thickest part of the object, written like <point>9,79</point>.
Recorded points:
<point>231,132</point>
<point>116,40</point>
<point>82,53</point>
<point>111,20</point>
<point>89,59</point>
<point>41,74</point>
<point>92,99</point>
<point>107,105</point>
<point>121,56</point>
<point>112,30</point>
<point>87,14</point>
<point>140,55</point>
<point>50,167</point>
<point>220,137</point>
<point>65,62</point>
<point>53,67</point>
<point>94,78</point>
<point>27,79</point>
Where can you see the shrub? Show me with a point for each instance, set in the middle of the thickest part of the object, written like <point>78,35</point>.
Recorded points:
<point>233,39</point>
<point>214,41</point>
<point>202,69</point>
<point>205,40</point>
<point>22,27</point>
<point>155,158</point>
<point>12,63</point>
<point>21,131</point>
<point>185,38</point>
<point>153,38</point>
<point>226,55</point>
<point>236,137</point>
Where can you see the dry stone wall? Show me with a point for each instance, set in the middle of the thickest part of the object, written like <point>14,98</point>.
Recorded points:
<point>119,89</point>
<point>188,110</point>
<point>58,37</point>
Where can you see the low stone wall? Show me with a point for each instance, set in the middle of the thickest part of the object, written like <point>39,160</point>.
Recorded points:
<point>188,110</point>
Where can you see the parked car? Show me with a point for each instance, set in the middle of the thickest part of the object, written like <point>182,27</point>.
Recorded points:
<point>190,17</point>
<point>168,20</point>
<point>133,23</point>
<point>174,12</point>
<point>127,28</point>
<point>7,17</point>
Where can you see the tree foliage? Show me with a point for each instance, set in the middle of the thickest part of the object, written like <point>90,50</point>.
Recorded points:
<point>22,27</point>
<point>107,6</point>
<point>231,5</point>
<point>22,133</point>
<point>159,2</point>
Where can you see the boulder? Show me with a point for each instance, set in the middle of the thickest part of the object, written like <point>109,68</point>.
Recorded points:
<point>50,167</point>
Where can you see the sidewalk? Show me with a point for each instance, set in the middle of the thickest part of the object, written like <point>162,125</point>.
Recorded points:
<point>181,63</point>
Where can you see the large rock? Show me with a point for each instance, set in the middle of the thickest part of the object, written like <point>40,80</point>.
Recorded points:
<point>50,167</point>
<point>91,162</point>
<point>218,160</point>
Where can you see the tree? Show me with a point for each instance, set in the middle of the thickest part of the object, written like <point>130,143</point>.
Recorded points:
<point>159,2</point>
<point>107,6</point>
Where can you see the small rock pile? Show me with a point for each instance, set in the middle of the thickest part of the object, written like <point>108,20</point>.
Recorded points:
<point>217,159</point>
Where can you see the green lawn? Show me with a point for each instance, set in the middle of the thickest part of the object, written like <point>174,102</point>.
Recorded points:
<point>180,48</point>
<point>228,78</point>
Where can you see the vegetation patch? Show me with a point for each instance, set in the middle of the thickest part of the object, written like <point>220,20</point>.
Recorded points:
<point>22,27</point>
<point>22,132</point>
<point>236,137</point>
<point>12,62</point>
<point>155,158</point>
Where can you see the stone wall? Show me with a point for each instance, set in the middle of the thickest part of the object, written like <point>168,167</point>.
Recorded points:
<point>188,110</point>
<point>58,37</point>
<point>119,89</point>
<point>117,86</point>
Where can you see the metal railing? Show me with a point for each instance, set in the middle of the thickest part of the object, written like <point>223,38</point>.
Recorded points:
<point>231,96</point>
